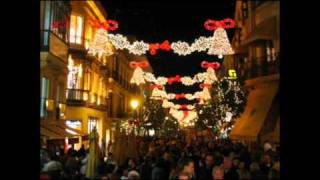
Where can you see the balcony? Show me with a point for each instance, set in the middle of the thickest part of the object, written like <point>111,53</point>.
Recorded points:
<point>52,43</point>
<point>77,97</point>
<point>80,97</point>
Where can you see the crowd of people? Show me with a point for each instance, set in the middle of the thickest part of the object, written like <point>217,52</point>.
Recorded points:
<point>163,158</point>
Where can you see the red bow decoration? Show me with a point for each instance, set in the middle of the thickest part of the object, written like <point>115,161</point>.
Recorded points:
<point>163,46</point>
<point>57,24</point>
<point>177,78</point>
<point>183,106</point>
<point>180,96</point>
<point>153,86</point>
<point>110,25</point>
<point>213,25</point>
<point>185,114</point>
<point>213,65</point>
<point>205,85</point>
<point>142,64</point>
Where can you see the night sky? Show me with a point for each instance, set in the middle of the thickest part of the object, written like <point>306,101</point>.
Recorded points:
<point>155,22</point>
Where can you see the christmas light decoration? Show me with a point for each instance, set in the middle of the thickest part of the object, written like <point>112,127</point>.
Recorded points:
<point>181,48</point>
<point>137,76</point>
<point>101,45</point>
<point>109,25</point>
<point>220,44</point>
<point>185,118</point>
<point>209,77</point>
<point>138,48</point>
<point>163,46</point>
<point>167,104</point>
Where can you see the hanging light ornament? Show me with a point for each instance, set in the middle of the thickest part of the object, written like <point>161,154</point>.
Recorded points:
<point>220,43</point>
<point>101,45</point>
<point>157,92</point>
<point>211,75</point>
<point>137,76</point>
<point>205,94</point>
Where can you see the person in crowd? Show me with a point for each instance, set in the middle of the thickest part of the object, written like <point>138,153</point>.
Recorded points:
<point>158,171</point>
<point>183,176</point>
<point>266,164</point>
<point>132,164</point>
<point>146,168</point>
<point>205,172</point>
<point>53,167</point>
<point>229,171</point>
<point>102,167</point>
<point>255,172</point>
<point>243,172</point>
<point>187,167</point>
<point>133,175</point>
<point>167,164</point>
<point>217,173</point>
<point>82,151</point>
<point>72,165</point>
<point>274,172</point>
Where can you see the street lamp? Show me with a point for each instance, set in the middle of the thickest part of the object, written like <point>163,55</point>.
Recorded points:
<point>134,104</point>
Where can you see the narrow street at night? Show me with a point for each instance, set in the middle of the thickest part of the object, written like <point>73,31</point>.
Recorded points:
<point>159,90</point>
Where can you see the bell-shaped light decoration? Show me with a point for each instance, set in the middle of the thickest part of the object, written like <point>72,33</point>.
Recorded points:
<point>220,43</point>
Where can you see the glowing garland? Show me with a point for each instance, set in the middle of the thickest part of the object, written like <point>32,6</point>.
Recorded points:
<point>218,44</point>
<point>140,77</point>
<point>161,94</point>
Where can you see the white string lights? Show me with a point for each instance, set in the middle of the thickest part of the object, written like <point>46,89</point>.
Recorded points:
<point>101,45</point>
<point>220,44</point>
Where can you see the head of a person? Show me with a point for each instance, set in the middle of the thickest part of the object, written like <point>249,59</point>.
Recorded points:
<point>217,172</point>
<point>267,146</point>
<point>187,166</point>
<point>53,157</point>
<point>266,159</point>
<point>131,162</point>
<point>209,160</point>
<point>133,175</point>
<point>241,165</point>
<point>254,166</point>
<point>183,176</point>
<point>166,156</point>
<point>235,162</point>
<point>227,162</point>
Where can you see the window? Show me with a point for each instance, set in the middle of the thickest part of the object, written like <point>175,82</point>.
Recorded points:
<point>54,17</point>
<point>87,80</point>
<point>74,75</point>
<point>244,10</point>
<point>92,122</point>
<point>270,51</point>
<point>76,29</point>
<point>44,96</point>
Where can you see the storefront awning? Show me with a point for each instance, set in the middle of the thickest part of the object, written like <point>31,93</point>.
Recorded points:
<point>248,126</point>
<point>58,131</point>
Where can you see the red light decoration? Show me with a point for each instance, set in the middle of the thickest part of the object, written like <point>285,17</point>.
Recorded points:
<point>171,80</point>
<point>213,65</point>
<point>163,46</point>
<point>109,25</point>
<point>135,64</point>
<point>212,25</point>
<point>153,86</point>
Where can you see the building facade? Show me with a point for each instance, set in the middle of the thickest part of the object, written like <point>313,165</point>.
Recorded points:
<point>256,43</point>
<point>80,91</point>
